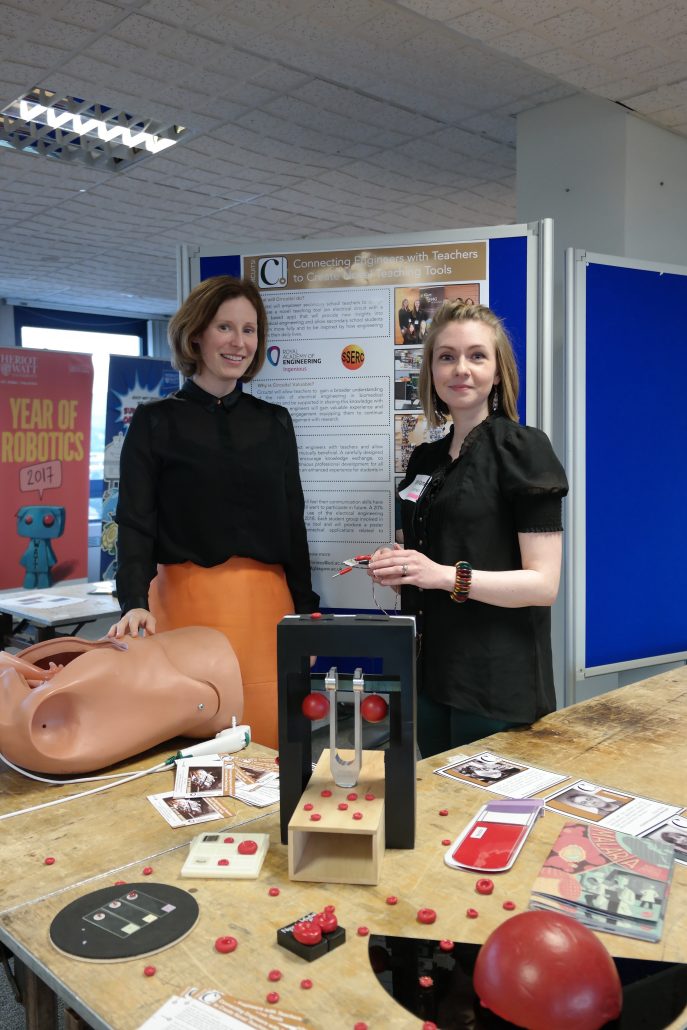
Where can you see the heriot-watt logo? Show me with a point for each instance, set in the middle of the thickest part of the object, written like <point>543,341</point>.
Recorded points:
<point>273,272</point>
<point>18,364</point>
<point>352,356</point>
<point>273,355</point>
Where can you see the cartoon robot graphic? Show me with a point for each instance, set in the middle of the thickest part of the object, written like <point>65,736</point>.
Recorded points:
<point>41,523</point>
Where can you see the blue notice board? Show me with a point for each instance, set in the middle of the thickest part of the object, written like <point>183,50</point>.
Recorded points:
<point>636,461</point>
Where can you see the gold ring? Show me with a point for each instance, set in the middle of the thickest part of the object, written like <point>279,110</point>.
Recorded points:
<point>404,570</point>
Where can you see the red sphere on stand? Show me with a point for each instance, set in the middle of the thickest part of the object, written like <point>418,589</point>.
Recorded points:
<point>542,970</point>
<point>373,708</point>
<point>315,706</point>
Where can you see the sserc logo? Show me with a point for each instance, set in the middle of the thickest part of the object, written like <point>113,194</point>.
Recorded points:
<point>272,272</point>
<point>273,355</point>
<point>352,356</point>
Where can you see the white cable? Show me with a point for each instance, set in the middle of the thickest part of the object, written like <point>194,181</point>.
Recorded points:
<point>59,783</point>
<point>85,793</point>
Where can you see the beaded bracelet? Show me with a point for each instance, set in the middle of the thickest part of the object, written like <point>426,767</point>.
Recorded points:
<point>463,582</point>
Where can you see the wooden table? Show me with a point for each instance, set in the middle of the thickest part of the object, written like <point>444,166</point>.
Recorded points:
<point>21,625</point>
<point>633,738</point>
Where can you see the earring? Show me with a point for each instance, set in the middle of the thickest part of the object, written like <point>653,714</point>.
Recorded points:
<point>495,400</point>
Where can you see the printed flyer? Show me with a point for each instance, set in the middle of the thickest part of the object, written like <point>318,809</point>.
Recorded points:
<point>346,330</point>
<point>45,427</point>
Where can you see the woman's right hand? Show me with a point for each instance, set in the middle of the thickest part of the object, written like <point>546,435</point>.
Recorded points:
<point>135,621</point>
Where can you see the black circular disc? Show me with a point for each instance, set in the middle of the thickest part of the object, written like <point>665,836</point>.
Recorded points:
<point>124,921</point>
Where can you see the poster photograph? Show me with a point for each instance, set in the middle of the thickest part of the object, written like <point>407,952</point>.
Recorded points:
<point>45,426</point>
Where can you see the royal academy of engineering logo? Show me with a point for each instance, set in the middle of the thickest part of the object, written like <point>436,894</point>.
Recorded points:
<point>273,272</point>
<point>273,355</point>
<point>352,356</point>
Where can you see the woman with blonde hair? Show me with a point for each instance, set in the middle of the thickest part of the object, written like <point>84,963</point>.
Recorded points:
<point>480,563</point>
<point>210,512</point>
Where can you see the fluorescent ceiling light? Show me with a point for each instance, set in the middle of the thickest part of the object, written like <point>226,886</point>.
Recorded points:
<point>68,129</point>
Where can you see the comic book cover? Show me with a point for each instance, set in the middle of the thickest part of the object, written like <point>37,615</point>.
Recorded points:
<point>608,880</point>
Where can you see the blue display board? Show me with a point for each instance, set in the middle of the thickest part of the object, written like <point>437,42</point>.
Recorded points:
<point>635,482</point>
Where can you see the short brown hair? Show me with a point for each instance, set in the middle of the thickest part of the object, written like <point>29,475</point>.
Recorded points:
<point>197,312</point>
<point>507,389</point>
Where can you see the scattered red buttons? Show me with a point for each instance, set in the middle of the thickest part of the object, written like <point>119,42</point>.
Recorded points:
<point>446,841</point>
<point>426,915</point>
<point>223,861</point>
<point>472,913</point>
<point>446,945</point>
<point>306,984</point>
<point>342,806</point>
<point>308,806</point>
<point>226,944</point>
<point>426,981</point>
<point>149,971</point>
<point>392,900</point>
<point>363,931</point>
<point>315,816</point>
<point>147,870</point>
<point>352,796</point>
<point>49,860</point>
<point>369,797</point>
<point>247,847</point>
<point>325,793</point>
<point>272,998</point>
<point>274,892</point>
<point>274,975</point>
<point>509,906</point>
<point>443,811</point>
<point>484,886</point>
<point>357,815</point>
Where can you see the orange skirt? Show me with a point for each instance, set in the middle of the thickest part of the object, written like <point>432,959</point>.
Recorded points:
<point>245,599</point>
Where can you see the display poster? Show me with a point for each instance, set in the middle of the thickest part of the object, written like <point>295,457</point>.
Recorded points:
<point>131,381</point>
<point>45,426</point>
<point>346,330</point>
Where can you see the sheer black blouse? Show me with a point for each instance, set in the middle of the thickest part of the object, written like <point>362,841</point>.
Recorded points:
<point>507,480</point>
<point>203,480</point>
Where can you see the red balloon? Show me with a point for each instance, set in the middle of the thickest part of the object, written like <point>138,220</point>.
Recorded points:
<point>542,970</point>
<point>373,708</point>
<point>315,706</point>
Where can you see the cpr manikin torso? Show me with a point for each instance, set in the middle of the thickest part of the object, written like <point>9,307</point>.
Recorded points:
<point>113,699</point>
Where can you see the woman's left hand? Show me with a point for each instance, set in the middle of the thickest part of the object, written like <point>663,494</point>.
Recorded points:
<point>399,567</point>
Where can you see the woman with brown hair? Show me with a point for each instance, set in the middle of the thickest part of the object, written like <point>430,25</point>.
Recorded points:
<point>210,512</point>
<point>482,531</point>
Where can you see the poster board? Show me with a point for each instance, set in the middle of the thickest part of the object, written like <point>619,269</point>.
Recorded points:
<point>340,360</point>
<point>626,345</point>
<point>45,428</point>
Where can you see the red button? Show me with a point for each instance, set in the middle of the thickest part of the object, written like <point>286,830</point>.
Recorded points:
<point>148,870</point>
<point>392,900</point>
<point>149,971</point>
<point>443,811</point>
<point>472,913</point>
<point>325,793</point>
<point>308,806</point>
<point>272,998</point>
<point>352,797</point>
<point>226,944</point>
<point>357,815</point>
<point>273,892</point>
<point>247,847</point>
<point>306,984</point>
<point>342,806</point>
<point>316,615</point>
<point>446,841</point>
<point>363,931</point>
<point>426,915</point>
<point>49,860</point>
<point>426,981</point>
<point>369,797</point>
<point>274,975</point>
<point>509,906</point>
<point>446,945</point>
<point>315,817</point>
<point>228,840</point>
<point>223,861</point>
<point>484,886</point>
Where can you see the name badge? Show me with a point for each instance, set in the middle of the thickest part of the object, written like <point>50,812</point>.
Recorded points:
<point>415,490</point>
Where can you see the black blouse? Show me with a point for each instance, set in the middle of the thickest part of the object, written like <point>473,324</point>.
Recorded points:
<point>203,480</point>
<point>478,657</point>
